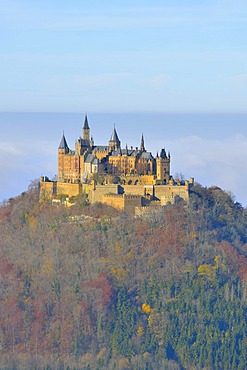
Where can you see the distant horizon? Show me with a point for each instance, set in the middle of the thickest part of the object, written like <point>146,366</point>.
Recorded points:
<point>212,148</point>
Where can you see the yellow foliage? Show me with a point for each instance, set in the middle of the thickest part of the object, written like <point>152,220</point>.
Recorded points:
<point>146,308</point>
<point>118,248</point>
<point>47,268</point>
<point>140,331</point>
<point>119,273</point>
<point>123,363</point>
<point>192,235</point>
<point>207,270</point>
<point>87,358</point>
<point>216,260</point>
<point>130,255</point>
<point>101,354</point>
<point>146,356</point>
<point>27,300</point>
<point>32,223</point>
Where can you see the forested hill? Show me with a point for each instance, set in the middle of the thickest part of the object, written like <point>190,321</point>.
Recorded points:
<point>103,291</point>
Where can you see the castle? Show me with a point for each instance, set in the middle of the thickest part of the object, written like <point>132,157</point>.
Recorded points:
<point>128,179</point>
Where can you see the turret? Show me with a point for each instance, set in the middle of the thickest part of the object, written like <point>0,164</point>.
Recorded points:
<point>63,147</point>
<point>163,154</point>
<point>163,166</point>
<point>114,142</point>
<point>86,130</point>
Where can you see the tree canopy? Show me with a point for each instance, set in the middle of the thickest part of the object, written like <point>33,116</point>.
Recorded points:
<point>90,288</point>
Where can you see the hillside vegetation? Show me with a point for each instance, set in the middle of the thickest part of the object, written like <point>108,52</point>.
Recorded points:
<point>105,291</point>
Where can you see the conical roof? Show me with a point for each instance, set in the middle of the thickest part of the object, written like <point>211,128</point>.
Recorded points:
<point>86,126</point>
<point>114,137</point>
<point>163,154</point>
<point>63,143</point>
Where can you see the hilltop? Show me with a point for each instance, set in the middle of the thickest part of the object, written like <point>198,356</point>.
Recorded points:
<point>109,291</point>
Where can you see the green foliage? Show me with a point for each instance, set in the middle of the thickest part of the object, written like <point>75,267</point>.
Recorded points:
<point>106,292</point>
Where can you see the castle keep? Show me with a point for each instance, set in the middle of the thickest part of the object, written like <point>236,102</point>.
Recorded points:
<point>125,178</point>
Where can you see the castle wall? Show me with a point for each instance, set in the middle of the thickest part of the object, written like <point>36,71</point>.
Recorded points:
<point>47,189</point>
<point>114,200</point>
<point>123,197</point>
<point>131,202</point>
<point>68,189</point>
<point>100,190</point>
<point>122,202</point>
<point>138,173</point>
<point>133,189</point>
<point>167,193</point>
<point>138,180</point>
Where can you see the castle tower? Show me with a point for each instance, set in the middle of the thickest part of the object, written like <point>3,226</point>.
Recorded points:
<point>142,146</point>
<point>114,142</point>
<point>163,166</point>
<point>86,130</point>
<point>63,149</point>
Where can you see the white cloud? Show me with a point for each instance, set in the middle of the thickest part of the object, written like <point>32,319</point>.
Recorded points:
<point>213,162</point>
<point>23,161</point>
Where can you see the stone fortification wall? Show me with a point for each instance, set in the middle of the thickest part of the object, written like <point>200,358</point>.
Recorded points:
<point>122,197</point>
<point>68,189</point>
<point>167,193</point>
<point>114,200</point>
<point>47,190</point>
<point>131,202</point>
<point>123,202</point>
<point>100,190</point>
<point>133,189</point>
<point>138,180</point>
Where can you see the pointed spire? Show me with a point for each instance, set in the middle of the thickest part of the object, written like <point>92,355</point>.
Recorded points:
<point>63,144</point>
<point>142,146</point>
<point>114,137</point>
<point>86,131</point>
<point>157,155</point>
<point>163,154</point>
<point>86,126</point>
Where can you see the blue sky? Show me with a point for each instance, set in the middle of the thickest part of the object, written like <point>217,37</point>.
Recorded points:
<point>136,61</point>
<point>122,56</point>
<point>212,148</point>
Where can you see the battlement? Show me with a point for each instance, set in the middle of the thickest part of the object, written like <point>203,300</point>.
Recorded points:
<point>123,178</point>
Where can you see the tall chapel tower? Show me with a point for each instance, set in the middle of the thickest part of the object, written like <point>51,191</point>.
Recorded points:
<point>86,130</point>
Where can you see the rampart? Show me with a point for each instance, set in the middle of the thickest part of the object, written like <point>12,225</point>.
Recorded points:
<point>122,197</point>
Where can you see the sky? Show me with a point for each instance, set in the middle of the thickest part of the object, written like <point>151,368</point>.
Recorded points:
<point>175,70</point>
<point>123,56</point>
<point>212,148</point>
